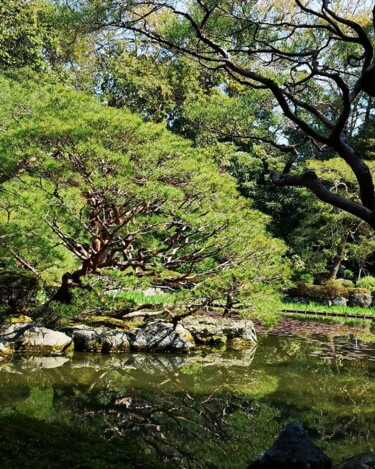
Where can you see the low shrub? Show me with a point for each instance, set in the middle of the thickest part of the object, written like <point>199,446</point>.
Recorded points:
<point>18,290</point>
<point>367,282</point>
<point>355,291</point>
<point>328,291</point>
<point>347,283</point>
<point>333,289</point>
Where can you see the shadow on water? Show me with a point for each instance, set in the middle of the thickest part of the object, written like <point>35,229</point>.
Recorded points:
<point>204,410</point>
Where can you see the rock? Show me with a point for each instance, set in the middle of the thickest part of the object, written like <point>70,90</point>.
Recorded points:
<point>31,337</point>
<point>160,337</point>
<point>154,337</point>
<point>363,300</point>
<point>293,449</point>
<point>98,339</point>
<point>339,301</point>
<point>184,333</point>
<point>5,349</point>
<point>152,291</point>
<point>296,300</point>
<point>212,331</point>
<point>361,461</point>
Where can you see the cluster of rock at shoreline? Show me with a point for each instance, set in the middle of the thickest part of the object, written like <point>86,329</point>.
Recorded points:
<point>154,337</point>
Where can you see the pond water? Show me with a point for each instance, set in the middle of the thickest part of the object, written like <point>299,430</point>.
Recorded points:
<point>205,410</point>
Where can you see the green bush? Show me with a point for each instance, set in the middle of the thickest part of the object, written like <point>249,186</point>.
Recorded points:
<point>367,282</point>
<point>302,276</point>
<point>328,291</point>
<point>364,291</point>
<point>347,283</point>
<point>18,290</point>
<point>333,289</point>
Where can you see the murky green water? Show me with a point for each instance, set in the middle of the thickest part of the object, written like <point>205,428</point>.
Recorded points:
<point>203,410</point>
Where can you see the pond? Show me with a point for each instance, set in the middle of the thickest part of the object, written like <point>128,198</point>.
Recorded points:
<point>211,409</point>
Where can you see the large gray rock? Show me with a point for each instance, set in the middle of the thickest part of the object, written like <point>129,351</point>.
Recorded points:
<point>33,338</point>
<point>339,301</point>
<point>363,300</point>
<point>361,461</point>
<point>160,337</point>
<point>293,449</point>
<point>98,339</point>
<point>210,331</point>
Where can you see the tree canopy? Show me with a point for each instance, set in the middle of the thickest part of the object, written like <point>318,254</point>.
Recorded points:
<point>99,189</point>
<point>268,94</point>
<point>316,62</point>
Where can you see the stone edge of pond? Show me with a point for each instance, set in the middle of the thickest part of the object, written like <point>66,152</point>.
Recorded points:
<point>153,337</point>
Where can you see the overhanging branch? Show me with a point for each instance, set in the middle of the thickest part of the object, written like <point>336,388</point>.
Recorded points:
<point>310,181</point>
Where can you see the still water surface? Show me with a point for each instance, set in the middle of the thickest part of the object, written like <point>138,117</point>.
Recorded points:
<point>209,409</point>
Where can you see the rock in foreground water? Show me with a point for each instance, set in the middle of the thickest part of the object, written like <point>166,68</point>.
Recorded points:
<point>157,337</point>
<point>293,449</point>
<point>361,461</point>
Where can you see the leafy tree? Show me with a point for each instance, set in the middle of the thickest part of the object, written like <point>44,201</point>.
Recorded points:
<point>316,62</point>
<point>126,196</point>
<point>24,34</point>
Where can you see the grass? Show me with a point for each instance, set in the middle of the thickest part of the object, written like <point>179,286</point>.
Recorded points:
<point>312,306</point>
<point>140,298</point>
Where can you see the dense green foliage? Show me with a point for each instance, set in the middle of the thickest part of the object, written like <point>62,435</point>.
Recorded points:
<point>98,189</point>
<point>330,290</point>
<point>57,141</point>
<point>18,289</point>
<point>137,175</point>
<point>23,33</point>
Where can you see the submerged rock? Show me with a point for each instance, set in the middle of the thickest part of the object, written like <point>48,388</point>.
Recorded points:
<point>293,449</point>
<point>361,461</point>
<point>160,337</point>
<point>33,338</point>
<point>98,339</point>
<point>213,331</point>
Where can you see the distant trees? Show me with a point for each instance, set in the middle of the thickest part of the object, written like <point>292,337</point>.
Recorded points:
<point>316,62</point>
<point>24,34</point>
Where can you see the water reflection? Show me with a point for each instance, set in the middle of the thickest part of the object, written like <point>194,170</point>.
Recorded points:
<point>210,409</point>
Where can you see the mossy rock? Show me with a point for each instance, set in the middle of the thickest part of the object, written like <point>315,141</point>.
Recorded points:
<point>21,319</point>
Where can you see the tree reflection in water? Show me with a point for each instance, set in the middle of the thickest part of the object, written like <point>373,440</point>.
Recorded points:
<point>188,428</point>
<point>205,410</point>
